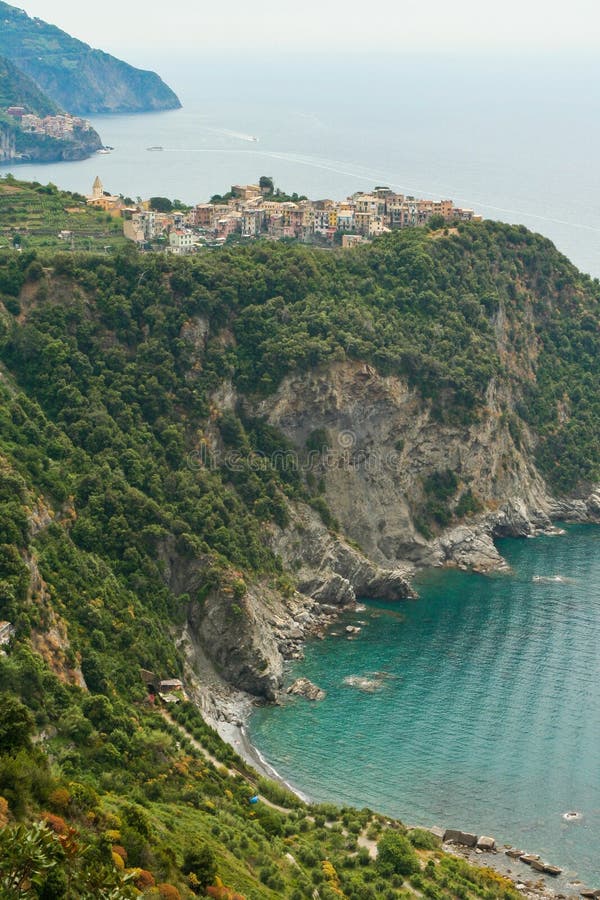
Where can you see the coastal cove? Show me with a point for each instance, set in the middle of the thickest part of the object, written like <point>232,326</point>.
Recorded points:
<point>473,707</point>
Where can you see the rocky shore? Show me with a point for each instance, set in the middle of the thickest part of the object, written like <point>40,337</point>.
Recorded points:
<point>372,483</point>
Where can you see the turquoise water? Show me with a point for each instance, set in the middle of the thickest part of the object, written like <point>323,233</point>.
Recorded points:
<point>484,709</point>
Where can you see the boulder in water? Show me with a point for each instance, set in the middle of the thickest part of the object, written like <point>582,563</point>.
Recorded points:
<point>305,688</point>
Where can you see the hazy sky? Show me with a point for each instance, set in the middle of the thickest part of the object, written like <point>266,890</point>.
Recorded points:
<point>155,25</point>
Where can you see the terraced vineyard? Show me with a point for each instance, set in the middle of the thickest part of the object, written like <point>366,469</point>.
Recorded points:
<point>33,215</point>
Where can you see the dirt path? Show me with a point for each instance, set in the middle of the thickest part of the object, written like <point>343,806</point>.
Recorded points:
<point>234,773</point>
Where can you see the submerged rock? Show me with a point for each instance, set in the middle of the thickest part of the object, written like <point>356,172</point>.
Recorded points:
<point>363,683</point>
<point>302,687</point>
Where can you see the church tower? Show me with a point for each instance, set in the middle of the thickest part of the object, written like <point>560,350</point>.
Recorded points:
<point>97,189</point>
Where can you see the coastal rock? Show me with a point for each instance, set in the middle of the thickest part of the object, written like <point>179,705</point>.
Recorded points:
<point>302,687</point>
<point>468,548</point>
<point>513,853</point>
<point>239,641</point>
<point>552,870</point>
<point>486,843</point>
<point>465,838</point>
<point>529,858</point>
<point>331,570</point>
<point>537,864</point>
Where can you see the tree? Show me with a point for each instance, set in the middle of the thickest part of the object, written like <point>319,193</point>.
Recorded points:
<point>395,855</point>
<point>16,724</point>
<point>161,204</point>
<point>199,860</point>
<point>266,185</point>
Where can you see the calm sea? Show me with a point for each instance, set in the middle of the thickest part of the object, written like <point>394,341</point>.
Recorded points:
<point>516,138</point>
<point>476,706</point>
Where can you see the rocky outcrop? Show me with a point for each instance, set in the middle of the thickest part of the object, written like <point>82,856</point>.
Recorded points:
<point>329,569</point>
<point>465,838</point>
<point>239,637</point>
<point>383,445</point>
<point>302,687</point>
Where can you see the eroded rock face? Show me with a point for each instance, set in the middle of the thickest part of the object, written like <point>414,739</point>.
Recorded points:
<point>384,444</point>
<point>240,641</point>
<point>329,569</point>
<point>465,838</point>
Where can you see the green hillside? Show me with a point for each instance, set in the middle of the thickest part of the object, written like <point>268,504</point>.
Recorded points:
<point>106,408</point>
<point>17,89</point>
<point>33,215</point>
<point>75,76</point>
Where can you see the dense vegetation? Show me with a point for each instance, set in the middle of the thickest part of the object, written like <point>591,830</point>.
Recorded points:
<point>108,466</point>
<point>17,89</point>
<point>75,76</point>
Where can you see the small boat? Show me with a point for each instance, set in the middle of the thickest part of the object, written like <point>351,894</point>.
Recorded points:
<point>155,148</point>
<point>103,150</point>
<point>255,139</point>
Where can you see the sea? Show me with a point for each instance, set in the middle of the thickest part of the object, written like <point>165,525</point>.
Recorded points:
<point>476,706</point>
<point>515,137</point>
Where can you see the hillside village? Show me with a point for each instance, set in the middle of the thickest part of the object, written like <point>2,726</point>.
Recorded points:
<point>254,211</point>
<point>60,126</point>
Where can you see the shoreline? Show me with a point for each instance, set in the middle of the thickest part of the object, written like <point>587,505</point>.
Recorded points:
<point>237,737</point>
<point>521,875</point>
<point>529,882</point>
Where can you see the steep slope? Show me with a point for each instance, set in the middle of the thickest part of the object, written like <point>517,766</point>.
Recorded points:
<point>75,76</point>
<point>17,89</point>
<point>265,432</point>
<point>200,462</point>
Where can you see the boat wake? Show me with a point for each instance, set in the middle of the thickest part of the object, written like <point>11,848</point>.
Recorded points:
<point>238,135</point>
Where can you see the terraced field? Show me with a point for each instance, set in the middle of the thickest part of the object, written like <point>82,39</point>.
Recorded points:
<point>33,216</point>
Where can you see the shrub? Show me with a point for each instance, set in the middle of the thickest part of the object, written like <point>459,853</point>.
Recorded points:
<point>423,840</point>
<point>168,892</point>
<point>395,855</point>
<point>16,724</point>
<point>200,861</point>
<point>59,798</point>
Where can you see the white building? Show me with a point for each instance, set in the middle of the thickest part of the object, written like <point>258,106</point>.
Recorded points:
<point>181,242</point>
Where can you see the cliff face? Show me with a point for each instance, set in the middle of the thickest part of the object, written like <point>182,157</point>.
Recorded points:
<point>73,74</point>
<point>384,446</point>
<point>7,143</point>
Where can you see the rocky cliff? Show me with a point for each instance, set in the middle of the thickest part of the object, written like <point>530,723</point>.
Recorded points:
<point>383,445</point>
<point>256,438</point>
